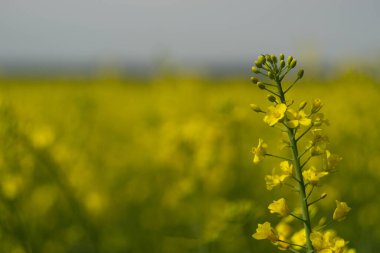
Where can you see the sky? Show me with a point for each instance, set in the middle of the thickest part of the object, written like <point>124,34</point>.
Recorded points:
<point>188,31</point>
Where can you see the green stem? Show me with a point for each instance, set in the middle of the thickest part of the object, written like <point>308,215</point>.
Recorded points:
<point>298,175</point>
<point>293,244</point>
<point>279,157</point>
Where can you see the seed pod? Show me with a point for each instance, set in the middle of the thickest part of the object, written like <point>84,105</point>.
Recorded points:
<point>302,105</point>
<point>271,98</point>
<point>293,63</point>
<point>255,108</point>
<point>300,73</point>
<point>255,70</point>
<point>261,85</point>
<point>282,57</point>
<point>258,64</point>
<point>274,58</point>
<point>290,59</point>
<point>254,80</point>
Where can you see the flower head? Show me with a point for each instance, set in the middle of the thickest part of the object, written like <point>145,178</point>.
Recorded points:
<point>327,242</point>
<point>297,118</point>
<point>286,167</point>
<point>313,176</point>
<point>265,231</point>
<point>259,151</point>
<point>279,206</point>
<point>275,114</point>
<point>273,180</point>
<point>299,237</point>
<point>341,210</point>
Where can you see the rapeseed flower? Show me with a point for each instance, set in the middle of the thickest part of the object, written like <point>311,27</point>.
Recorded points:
<point>275,114</point>
<point>297,118</point>
<point>286,167</point>
<point>280,207</point>
<point>259,151</point>
<point>312,175</point>
<point>299,237</point>
<point>273,180</point>
<point>327,242</point>
<point>265,231</point>
<point>341,211</point>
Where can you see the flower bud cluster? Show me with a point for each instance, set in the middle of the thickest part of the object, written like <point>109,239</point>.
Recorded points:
<point>273,68</point>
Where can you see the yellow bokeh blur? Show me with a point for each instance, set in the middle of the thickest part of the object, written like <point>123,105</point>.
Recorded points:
<point>165,165</point>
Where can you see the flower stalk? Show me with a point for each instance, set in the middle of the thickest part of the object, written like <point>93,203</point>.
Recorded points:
<point>298,175</point>
<point>297,124</point>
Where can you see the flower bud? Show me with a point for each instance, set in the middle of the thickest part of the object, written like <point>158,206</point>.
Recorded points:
<point>290,59</point>
<point>282,63</point>
<point>261,85</point>
<point>300,73</point>
<point>302,105</point>
<point>270,75</point>
<point>268,58</point>
<point>254,80</point>
<point>323,195</point>
<point>274,58</point>
<point>317,105</point>
<point>258,64</point>
<point>255,70</point>
<point>282,57</point>
<point>271,98</point>
<point>322,221</point>
<point>261,59</point>
<point>255,108</point>
<point>293,63</point>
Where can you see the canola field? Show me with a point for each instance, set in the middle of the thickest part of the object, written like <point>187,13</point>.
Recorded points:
<point>165,165</point>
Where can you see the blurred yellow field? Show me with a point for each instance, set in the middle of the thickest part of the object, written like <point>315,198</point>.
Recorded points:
<point>164,165</point>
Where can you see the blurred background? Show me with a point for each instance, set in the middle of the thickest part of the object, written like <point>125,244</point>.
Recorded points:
<point>125,124</point>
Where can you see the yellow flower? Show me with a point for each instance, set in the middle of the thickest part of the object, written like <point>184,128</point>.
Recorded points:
<point>317,241</point>
<point>273,180</point>
<point>265,231</point>
<point>313,176</point>
<point>279,206</point>
<point>327,242</point>
<point>259,151</point>
<point>286,167</point>
<point>299,237</point>
<point>318,142</point>
<point>283,229</point>
<point>275,114</point>
<point>341,210</point>
<point>332,160</point>
<point>297,118</point>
